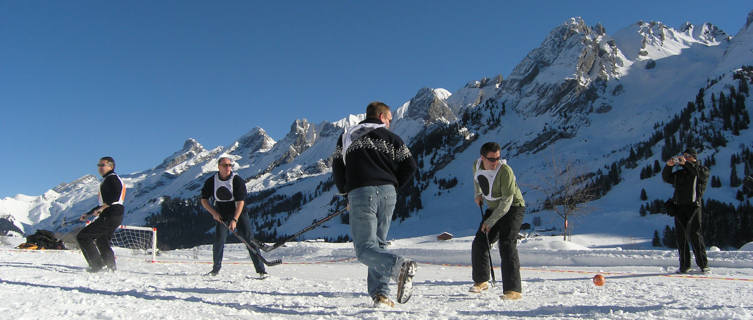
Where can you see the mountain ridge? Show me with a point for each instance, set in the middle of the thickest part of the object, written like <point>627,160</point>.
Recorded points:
<point>564,95</point>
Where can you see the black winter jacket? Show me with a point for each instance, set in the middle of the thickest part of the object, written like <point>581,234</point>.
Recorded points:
<point>376,157</point>
<point>689,182</point>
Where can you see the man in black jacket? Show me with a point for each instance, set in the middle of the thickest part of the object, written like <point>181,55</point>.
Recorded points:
<point>369,163</point>
<point>109,215</point>
<point>229,193</point>
<point>690,184</point>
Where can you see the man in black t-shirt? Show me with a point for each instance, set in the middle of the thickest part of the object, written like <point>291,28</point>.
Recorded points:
<point>228,190</point>
<point>94,239</point>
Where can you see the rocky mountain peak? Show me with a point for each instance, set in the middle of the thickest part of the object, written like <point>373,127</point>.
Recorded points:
<point>85,180</point>
<point>255,140</point>
<point>430,105</point>
<point>191,148</point>
<point>302,136</point>
<point>566,64</point>
<point>485,82</point>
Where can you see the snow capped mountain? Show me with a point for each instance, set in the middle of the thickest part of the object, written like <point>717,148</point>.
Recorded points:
<point>655,40</point>
<point>740,47</point>
<point>254,141</point>
<point>583,96</point>
<point>555,76</point>
<point>473,94</point>
<point>426,107</point>
<point>183,158</point>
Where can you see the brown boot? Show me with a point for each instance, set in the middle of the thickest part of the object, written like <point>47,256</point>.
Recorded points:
<point>511,295</point>
<point>479,287</point>
<point>381,301</point>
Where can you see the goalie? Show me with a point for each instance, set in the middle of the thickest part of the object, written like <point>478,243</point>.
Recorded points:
<point>94,239</point>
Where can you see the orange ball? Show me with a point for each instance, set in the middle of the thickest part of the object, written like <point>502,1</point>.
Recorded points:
<point>599,280</point>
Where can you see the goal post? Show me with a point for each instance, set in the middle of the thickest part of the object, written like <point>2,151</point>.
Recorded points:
<point>139,239</point>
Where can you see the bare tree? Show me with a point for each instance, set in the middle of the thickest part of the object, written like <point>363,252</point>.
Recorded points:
<point>567,191</point>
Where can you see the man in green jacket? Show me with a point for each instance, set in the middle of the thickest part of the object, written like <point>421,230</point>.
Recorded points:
<point>495,184</point>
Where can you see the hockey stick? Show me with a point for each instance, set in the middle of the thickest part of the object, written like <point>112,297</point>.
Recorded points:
<point>488,245</point>
<point>253,249</point>
<point>261,245</point>
<point>88,214</point>
<point>304,230</point>
<point>69,222</point>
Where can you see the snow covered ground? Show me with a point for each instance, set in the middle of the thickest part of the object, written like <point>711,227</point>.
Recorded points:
<point>322,281</point>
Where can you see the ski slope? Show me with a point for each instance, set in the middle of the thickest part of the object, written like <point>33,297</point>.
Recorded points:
<point>323,281</point>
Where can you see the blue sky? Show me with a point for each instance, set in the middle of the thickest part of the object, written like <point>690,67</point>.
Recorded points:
<point>134,79</point>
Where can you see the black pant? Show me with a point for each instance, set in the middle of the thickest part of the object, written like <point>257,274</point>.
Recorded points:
<point>688,228</point>
<point>243,228</point>
<point>100,233</point>
<point>506,231</point>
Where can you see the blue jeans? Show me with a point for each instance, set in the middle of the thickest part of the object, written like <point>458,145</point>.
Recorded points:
<point>371,210</point>
<point>243,228</point>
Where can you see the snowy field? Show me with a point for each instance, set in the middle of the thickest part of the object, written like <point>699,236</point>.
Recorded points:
<point>322,281</point>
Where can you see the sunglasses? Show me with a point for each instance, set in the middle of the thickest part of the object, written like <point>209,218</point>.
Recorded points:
<point>493,159</point>
<point>101,165</point>
<point>226,164</point>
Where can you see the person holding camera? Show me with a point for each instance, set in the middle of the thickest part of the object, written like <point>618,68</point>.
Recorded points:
<point>689,183</point>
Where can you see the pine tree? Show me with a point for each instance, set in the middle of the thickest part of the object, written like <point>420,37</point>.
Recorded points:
<point>644,197</point>
<point>716,182</point>
<point>669,240</point>
<point>734,180</point>
<point>656,242</point>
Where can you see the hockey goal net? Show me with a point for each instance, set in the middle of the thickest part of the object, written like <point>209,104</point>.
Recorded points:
<point>141,240</point>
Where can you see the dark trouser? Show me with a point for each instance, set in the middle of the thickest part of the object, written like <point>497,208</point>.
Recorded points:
<point>243,228</point>
<point>506,230</point>
<point>94,239</point>
<point>688,228</point>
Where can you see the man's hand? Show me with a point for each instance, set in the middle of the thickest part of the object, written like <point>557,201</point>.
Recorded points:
<point>215,215</point>
<point>484,228</point>
<point>98,211</point>
<point>478,200</point>
<point>347,207</point>
<point>232,225</point>
<point>682,160</point>
<point>83,217</point>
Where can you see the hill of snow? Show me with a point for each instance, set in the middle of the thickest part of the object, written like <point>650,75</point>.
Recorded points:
<point>322,280</point>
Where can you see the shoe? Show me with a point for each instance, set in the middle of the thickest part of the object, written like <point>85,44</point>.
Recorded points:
<point>511,295</point>
<point>478,287</point>
<point>682,270</point>
<point>111,268</point>
<point>263,275</point>
<point>405,281</point>
<point>212,273</point>
<point>706,270</point>
<point>93,269</point>
<point>381,301</point>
